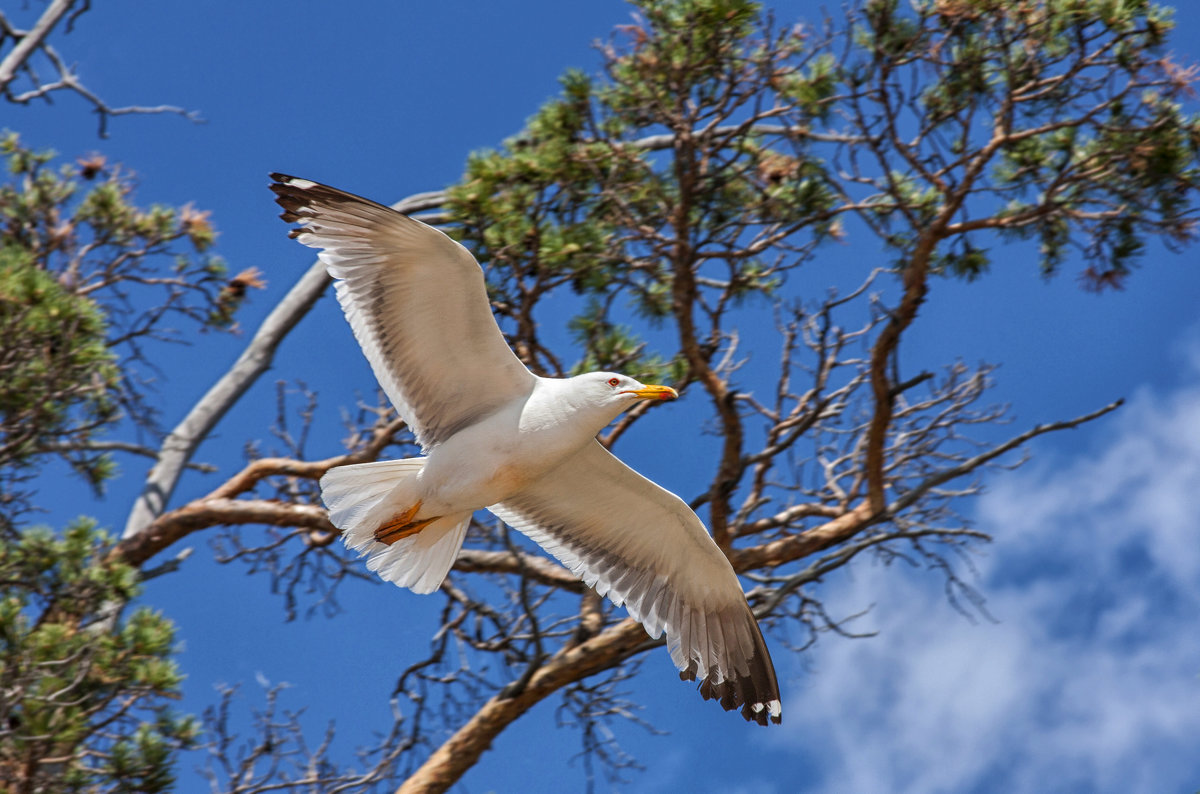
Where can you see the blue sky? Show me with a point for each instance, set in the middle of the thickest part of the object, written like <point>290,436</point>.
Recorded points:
<point>1089,680</point>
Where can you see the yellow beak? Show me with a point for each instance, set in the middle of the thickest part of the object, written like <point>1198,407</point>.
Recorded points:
<point>653,393</point>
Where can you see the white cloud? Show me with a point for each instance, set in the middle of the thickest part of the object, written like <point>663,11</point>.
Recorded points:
<point>1091,679</point>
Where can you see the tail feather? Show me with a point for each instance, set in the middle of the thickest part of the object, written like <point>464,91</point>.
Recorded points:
<point>420,562</point>
<point>357,493</point>
<point>362,495</point>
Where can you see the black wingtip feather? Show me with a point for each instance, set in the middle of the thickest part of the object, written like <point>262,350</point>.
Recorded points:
<point>289,196</point>
<point>755,694</point>
<point>300,192</point>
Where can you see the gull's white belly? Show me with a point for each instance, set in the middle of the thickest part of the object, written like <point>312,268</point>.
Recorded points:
<point>489,461</point>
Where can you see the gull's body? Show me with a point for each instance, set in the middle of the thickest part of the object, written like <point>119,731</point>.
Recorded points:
<point>486,462</point>
<point>495,435</point>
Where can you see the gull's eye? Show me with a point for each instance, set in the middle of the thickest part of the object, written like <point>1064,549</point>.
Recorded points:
<point>614,381</point>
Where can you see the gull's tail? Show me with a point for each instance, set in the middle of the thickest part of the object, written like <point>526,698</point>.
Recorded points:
<point>362,495</point>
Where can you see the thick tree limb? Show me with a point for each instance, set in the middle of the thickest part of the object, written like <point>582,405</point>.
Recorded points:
<point>214,511</point>
<point>29,43</point>
<point>821,537</point>
<point>573,663</point>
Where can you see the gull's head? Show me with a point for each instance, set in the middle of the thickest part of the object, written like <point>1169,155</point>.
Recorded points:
<point>620,391</point>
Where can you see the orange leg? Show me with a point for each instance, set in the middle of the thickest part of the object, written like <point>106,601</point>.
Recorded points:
<point>402,525</point>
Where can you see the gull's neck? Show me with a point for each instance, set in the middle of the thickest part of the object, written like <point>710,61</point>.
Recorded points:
<point>560,402</point>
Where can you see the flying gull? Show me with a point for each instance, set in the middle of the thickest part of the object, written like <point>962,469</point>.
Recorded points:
<point>496,436</point>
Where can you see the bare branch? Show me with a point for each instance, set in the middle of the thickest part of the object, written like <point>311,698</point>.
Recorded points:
<point>34,41</point>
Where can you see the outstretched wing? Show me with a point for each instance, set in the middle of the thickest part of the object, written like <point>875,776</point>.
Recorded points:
<point>642,546</point>
<point>418,306</point>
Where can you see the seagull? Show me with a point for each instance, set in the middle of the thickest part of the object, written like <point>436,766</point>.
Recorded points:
<point>496,436</point>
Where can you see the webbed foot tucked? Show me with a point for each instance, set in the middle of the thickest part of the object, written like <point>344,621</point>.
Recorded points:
<point>402,525</point>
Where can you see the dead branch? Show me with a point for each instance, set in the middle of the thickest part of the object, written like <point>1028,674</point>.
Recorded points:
<point>30,43</point>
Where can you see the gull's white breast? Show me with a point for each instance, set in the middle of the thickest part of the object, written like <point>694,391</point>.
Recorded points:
<point>498,456</point>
